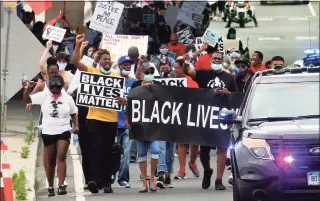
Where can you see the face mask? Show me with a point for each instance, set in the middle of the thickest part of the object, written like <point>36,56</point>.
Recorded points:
<point>89,54</point>
<point>62,66</point>
<point>232,36</point>
<point>165,73</point>
<point>161,23</point>
<point>242,74</point>
<point>105,71</point>
<point>216,67</point>
<point>125,72</point>
<point>148,78</point>
<point>164,51</point>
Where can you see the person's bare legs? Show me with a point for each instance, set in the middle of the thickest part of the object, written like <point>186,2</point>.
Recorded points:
<point>62,148</point>
<point>154,164</point>
<point>143,170</point>
<point>194,154</point>
<point>50,152</point>
<point>182,157</point>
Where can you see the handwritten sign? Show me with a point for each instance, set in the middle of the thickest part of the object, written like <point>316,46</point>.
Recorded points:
<point>87,60</point>
<point>148,18</point>
<point>198,43</point>
<point>54,33</point>
<point>189,10</point>
<point>210,37</point>
<point>118,45</point>
<point>185,36</point>
<point>106,16</point>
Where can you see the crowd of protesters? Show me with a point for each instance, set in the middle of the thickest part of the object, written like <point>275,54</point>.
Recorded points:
<point>99,129</point>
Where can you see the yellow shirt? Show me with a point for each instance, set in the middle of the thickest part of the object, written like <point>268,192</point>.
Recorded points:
<point>98,113</point>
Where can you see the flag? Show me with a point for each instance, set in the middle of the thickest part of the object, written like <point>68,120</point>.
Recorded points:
<point>39,6</point>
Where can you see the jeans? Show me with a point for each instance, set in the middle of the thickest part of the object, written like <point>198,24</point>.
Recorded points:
<point>126,145</point>
<point>165,163</point>
<point>133,150</point>
<point>144,146</point>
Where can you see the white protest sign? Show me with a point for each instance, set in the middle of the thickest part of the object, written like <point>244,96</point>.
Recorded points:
<point>118,45</point>
<point>185,36</point>
<point>231,45</point>
<point>87,60</point>
<point>210,37</point>
<point>187,11</point>
<point>100,91</point>
<point>171,16</point>
<point>173,82</point>
<point>198,43</point>
<point>106,16</point>
<point>54,33</point>
<point>221,45</point>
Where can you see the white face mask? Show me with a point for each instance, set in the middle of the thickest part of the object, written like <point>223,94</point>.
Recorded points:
<point>62,66</point>
<point>164,51</point>
<point>104,71</point>
<point>125,72</point>
<point>216,67</point>
<point>89,54</point>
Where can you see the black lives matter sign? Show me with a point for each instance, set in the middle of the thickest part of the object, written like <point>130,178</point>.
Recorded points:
<point>100,91</point>
<point>185,36</point>
<point>173,82</point>
<point>106,16</point>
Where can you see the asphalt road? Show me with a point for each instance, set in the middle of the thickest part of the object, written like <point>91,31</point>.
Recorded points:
<point>283,30</point>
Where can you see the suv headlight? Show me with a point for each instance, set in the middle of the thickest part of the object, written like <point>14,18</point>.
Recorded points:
<point>259,148</point>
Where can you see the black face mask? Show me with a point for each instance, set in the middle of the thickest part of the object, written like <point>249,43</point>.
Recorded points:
<point>242,74</point>
<point>165,74</point>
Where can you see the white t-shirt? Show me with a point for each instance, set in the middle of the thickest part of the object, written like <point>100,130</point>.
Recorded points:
<point>55,113</point>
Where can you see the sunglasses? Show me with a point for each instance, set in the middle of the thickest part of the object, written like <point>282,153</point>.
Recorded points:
<point>149,72</point>
<point>242,66</point>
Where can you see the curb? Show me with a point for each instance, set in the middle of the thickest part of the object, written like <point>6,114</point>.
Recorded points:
<point>32,174</point>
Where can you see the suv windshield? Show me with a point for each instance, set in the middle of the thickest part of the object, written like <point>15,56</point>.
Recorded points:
<point>285,100</point>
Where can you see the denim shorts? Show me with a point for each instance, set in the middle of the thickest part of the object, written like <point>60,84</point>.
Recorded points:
<point>144,146</point>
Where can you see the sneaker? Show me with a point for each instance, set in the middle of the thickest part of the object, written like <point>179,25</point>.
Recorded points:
<point>93,187</point>
<point>124,184</point>
<point>167,182</point>
<point>113,179</point>
<point>175,154</point>
<point>160,183</point>
<point>148,178</point>
<point>206,182</point>
<point>107,189</point>
<point>65,183</point>
<point>86,188</point>
<point>180,175</point>
<point>219,186</point>
<point>194,169</point>
<point>230,180</point>
<point>229,167</point>
<point>62,190</point>
<point>51,192</point>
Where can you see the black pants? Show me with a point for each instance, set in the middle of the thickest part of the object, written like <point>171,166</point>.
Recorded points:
<point>220,5</point>
<point>84,141</point>
<point>205,156</point>
<point>102,136</point>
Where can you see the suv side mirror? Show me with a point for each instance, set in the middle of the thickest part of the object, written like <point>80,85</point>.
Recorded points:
<point>229,117</point>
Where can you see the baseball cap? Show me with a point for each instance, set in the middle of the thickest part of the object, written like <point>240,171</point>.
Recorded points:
<point>123,59</point>
<point>243,60</point>
<point>147,67</point>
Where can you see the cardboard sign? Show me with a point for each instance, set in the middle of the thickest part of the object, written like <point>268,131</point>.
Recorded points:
<point>210,37</point>
<point>197,18</point>
<point>148,18</point>
<point>189,10</point>
<point>118,45</point>
<point>87,60</point>
<point>100,91</point>
<point>231,45</point>
<point>54,33</point>
<point>106,16</point>
<point>185,36</point>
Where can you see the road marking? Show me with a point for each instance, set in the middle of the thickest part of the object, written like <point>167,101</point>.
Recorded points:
<point>265,19</point>
<point>268,38</point>
<point>298,18</point>
<point>77,173</point>
<point>312,11</point>
<point>306,38</point>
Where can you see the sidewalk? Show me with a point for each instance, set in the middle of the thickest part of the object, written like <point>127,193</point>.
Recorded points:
<point>17,120</point>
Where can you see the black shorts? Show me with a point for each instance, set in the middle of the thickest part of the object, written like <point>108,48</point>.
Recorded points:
<point>52,139</point>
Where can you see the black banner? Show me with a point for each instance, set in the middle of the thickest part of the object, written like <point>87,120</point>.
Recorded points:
<point>180,115</point>
<point>100,91</point>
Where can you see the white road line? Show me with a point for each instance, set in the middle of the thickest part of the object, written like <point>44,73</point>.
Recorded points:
<point>265,19</point>
<point>298,18</point>
<point>269,38</point>
<point>306,38</point>
<point>312,11</point>
<point>77,173</point>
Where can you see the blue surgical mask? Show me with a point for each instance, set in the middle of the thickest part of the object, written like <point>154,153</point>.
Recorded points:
<point>104,71</point>
<point>125,72</point>
<point>148,78</point>
<point>62,66</point>
<point>216,67</point>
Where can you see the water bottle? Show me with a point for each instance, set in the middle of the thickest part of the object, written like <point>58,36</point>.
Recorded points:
<point>75,140</point>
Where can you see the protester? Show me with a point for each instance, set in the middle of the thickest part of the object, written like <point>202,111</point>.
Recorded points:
<point>222,81</point>
<point>164,30</point>
<point>203,62</point>
<point>277,61</point>
<point>245,75</point>
<point>125,63</point>
<point>256,62</point>
<point>56,107</point>
<point>99,122</point>
<point>176,47</point>
<point>147,73</point>
<point>163,52</point>
<point>267,64</point>
<point>181,68</point>
<point>232,35</point>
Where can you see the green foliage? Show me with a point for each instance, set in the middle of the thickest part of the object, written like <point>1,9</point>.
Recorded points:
<point>37,183</point>
<point>29,135</point>
<point>25,152</point>
<point>19,185</point>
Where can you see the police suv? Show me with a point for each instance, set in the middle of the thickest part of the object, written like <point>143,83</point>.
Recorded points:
<point>275,151</point>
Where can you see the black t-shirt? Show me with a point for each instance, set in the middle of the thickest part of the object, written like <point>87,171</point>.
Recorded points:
<point>138,83</point>
<point>243,85</point>
<point>212,80</point>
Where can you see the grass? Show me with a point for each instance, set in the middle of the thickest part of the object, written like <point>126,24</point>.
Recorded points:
<point>19,181</point>
<point>29,135</point>
<point>37,183</point>
<point>25,152</point>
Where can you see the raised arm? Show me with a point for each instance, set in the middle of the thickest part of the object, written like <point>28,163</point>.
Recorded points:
<point>44,57</point>
<point>26,92</point>
<point>76,54</point>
